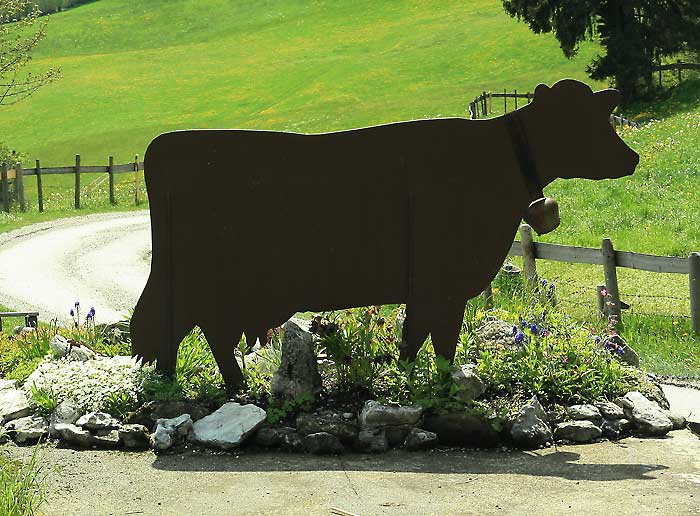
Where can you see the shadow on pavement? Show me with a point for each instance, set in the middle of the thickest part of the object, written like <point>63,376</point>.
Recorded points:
<point>544,463</point>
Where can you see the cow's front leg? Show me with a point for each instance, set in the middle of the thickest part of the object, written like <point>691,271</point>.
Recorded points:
<point>445,330</point>
<point>416,328</point>
<point>223,339</point>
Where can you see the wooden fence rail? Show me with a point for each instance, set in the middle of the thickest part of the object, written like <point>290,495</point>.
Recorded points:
<point>678,67</point>
<point>18,174</point>
<point>610,259</point>
<point>482,105</point>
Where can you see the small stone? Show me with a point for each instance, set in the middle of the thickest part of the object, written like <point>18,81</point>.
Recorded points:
<point>322,443</point>
<point>293,442</point>
<point>14,404</point>
<point>530,428</point>
<point>22,330</point>
<point>150,412</point>
<point>229,426</point>
<point>609,410</point>
<point>81,354</point>
<point>169,431</point>
<point>134,437</point>
<point>581,412</point>
<point>348,415</point>
<point>372,440</point>
<point>161,439</point>
<point>468,381</point>
<point>646,416</point>
<point>419,439</point>
<point>96,421</point>
<point>270,436</point>
<point>374,415</point>
<point>59,346</point>
<point>66,412</point>
<point>73,434</point>
<point>7,384</point>
<point>577,431</point>
<point>29,428</point>
<point>494,334</point>
<point>106,439</point>
<point>557,414</point>
<point>332,423</point>
<point>677,419</point>
<point>614,428</point>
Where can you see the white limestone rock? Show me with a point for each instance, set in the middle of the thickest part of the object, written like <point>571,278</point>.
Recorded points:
<point>228,426</point>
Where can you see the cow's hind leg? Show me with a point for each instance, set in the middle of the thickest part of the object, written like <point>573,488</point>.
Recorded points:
<point>416,328</point>
<point>445,331</point>
<point>223,339</point>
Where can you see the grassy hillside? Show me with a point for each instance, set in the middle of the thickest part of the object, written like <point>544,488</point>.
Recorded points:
<point>134,69</point>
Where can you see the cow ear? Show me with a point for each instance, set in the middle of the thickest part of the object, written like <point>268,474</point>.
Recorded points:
<point>541,91</point>
<point>608,99</point>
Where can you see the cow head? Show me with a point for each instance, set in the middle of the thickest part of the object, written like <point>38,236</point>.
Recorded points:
<point>570,134</point>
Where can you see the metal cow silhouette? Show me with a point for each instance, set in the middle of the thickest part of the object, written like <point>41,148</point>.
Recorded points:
<point>421,212</point>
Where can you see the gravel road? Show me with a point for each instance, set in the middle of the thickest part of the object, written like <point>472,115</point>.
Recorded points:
<point>100,260</point>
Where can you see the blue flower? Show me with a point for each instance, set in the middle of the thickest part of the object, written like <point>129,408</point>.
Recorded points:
<point>523,324</point>
<point>72,313</point>
<point>552,287</point>
<point>515,330</point>
<point>620,351</point>
<point>77,304</point>
<point>535,330</point>
<point>543,282</point>
<point>596,339</point>
<point>519,337</point>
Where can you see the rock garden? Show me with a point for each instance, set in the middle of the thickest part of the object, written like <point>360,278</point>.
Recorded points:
<point>525,376</point>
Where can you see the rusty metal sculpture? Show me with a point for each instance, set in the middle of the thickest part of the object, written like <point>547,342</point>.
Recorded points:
<point>420,212</point>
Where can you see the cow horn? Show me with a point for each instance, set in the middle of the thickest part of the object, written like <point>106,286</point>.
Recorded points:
<point>543,215</point>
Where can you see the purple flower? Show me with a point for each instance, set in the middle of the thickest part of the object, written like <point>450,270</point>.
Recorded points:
<point>564,360</point>
<point>523,324</point>
<point>535,330</point>
<point>519,337</point>
<point>620,351</point>
<point>543,282</point>
<point>552,287</point>
<point>72,313</point>
<point>515,330</point>
<point>596,339</point>
<point>77,304</point>
<point>91,313</point>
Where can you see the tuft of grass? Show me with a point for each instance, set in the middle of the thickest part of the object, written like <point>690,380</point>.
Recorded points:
<point>22,485</point>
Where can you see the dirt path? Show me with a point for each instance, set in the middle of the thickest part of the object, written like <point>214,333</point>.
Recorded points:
<point>100,260</point>
<point>634,477</point>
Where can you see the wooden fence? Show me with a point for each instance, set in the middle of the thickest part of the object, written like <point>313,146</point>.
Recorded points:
<point>482,105</point>
<point>18,174</point>
<point>610,259</point>
<point>678,67</point>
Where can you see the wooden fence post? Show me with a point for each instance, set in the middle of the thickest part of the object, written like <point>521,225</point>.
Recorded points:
<point>5,189</point>
<point>679,72</point>
<point>505,102</point>
<point>601,300</point>
<point>39,186</point>
<point>137,181</point>
<point>19,186</point>
<point>110,171</point>
<point>488,297</point>
<point>77,181</point>
<point>515,96</point>
<point>694,279</point>
<point>610,269</point>
<point>529,255</point>
<point>490,103</point>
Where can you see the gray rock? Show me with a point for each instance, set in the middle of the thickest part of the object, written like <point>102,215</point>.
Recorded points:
<point>587,412</point>
<point>23,330</point>
<point>294,442</point>
<point>169,431</point>
<point>577,431</point>
<point>375,415</point>
<point>322,443</point>
<point>59,346</point>
<point>66,412</point>
<point>646,416</point>
<point>372,440</point>
<point>655,393</point>
<point>419,439</point>
<point>7,384</point>
<point>96,421</point>
<point>29,428</point>
<point>462,429</point>
<point>530,428</point>
<point>677,419</point>
<point>298,373</point>
<point>468,381</point>
<point>150,412</point>
<point>14,404</point>
<point>270,436</point>
<point>609,410</point>
<point>134,437</point>
<point>557,414</point>
<point>329,422</point>
<point>106,438</point>
<point>396,435</point>
<point>81,354</point>
<point>229,426</point>
<point>73,434</point>
<point>494,333</point>
<point>629,356</point>
<point>613,429</point>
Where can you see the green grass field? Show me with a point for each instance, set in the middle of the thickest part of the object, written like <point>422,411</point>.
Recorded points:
<point>135,69</point>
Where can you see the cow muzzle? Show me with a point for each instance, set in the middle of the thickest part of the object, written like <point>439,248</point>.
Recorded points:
<point>543,215</point>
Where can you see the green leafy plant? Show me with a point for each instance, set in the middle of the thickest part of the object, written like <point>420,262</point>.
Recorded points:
<point>45,399</point>
<point>279,411</point>
<point>22,485</point>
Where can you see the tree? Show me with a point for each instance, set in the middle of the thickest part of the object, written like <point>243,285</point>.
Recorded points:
<point>636,34</point>
<point>20,32</point>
